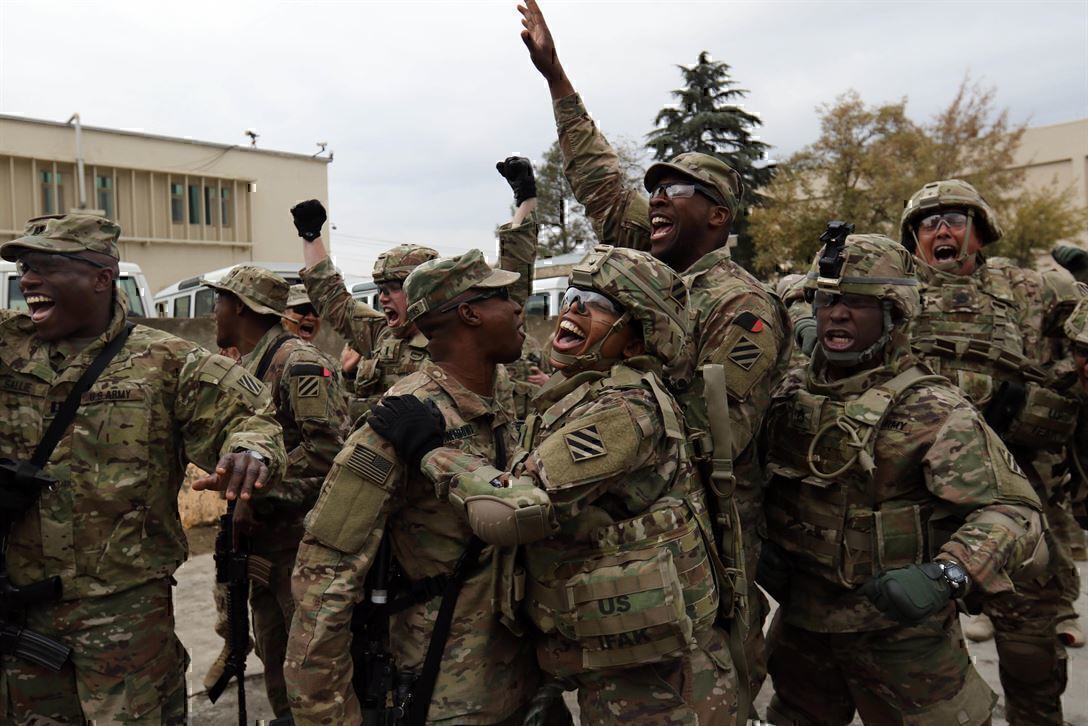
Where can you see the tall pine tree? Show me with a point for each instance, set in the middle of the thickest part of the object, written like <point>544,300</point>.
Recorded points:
<point>708,118</point>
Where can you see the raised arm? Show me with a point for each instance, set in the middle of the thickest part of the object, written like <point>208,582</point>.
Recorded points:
<point>620,214</point>
<point>518,238</point>
<point>354,321</point>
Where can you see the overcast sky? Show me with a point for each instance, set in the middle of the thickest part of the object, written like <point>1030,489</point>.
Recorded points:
<point>419,99</point>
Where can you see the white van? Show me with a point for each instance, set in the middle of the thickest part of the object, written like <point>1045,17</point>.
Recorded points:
<point>190,299</point>
<point>547,294</point>
<point>131,280</point>
<point>366,292</point>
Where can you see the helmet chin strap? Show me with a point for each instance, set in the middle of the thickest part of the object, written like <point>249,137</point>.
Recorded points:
<point>842,359</point>
<point>592,357</point>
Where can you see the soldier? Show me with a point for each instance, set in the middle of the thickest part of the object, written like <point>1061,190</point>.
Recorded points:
<point>889,499</point>
<point>1076,331</point>
<point>528,374</point>
<point>1073,259</point>
<point>91,528</point>
<point>606,501</point>
<point>311,408</point>
<point>989,326</point>
<point>487,674</point>
<point>301,317</point>
<point>389,344</point>
<point>738,323</point>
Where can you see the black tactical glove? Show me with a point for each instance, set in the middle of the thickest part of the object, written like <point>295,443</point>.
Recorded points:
<point>1071,258</point>
<point>909,594</point>
<point>309,217</point>
<point>518,172</point>
<point>804,334</point>
<point>410,425</point>
<point>773,571</point>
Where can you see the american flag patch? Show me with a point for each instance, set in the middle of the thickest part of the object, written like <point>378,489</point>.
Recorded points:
<point>585,444</point>
<point>369,464</point>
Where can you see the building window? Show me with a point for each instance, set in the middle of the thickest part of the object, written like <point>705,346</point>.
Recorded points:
<point>52,193</point>
<point>103,186</point>
<point>224,206</point>
<point>194,204</point>
<point>209,205</point>
<point>177,203</point>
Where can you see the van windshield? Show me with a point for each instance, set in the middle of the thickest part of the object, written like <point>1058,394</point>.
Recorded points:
<point>128,284</point>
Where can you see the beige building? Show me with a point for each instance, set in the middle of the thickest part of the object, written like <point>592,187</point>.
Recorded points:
<point>185,207</point>
<point>1057,154</point>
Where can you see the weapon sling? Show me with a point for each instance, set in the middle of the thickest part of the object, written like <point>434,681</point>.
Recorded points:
<point>266,359</point>
<point>42,650</point>
<point>420,700</point>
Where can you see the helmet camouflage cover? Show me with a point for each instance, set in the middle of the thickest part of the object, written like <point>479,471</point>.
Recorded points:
<point>873,265</point>
<point>654,297</point>
<point>949,193</point>
<point>395,265</point>
<point>1076,325</point>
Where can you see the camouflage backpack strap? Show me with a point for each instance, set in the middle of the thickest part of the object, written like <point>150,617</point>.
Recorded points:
<point>863,417</point>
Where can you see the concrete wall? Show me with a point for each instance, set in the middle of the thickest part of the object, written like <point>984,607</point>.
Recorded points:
<point>1057,153</point>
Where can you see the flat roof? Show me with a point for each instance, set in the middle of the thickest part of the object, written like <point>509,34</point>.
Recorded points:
<point>160,137</point>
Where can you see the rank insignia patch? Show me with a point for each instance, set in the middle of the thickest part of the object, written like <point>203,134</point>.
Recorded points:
<point>745,353</point>
<point>369,464</point>
<point>585,444</point>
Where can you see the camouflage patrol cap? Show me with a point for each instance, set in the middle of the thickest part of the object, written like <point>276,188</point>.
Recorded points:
<point>67,233</point>
<point>872,265</point>
<point>944,194</point>
<point>1076,325</point>
<point>260,290</point>
<point>653,295</point>
<point>438,281</point>
<point>396,264</point>
<point>297,295</point>
<point>704,168</point>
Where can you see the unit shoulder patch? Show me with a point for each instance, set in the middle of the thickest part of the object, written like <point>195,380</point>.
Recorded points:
<point>585,443</point>
<point>745,353</point>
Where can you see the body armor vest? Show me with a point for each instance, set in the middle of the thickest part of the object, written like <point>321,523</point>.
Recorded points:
<point>638,589</point>
<point>969,332</point>
<point>827,505</point>
<point>393,359</point>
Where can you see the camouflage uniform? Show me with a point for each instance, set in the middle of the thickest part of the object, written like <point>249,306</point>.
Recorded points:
<point>883,469</point>
<point>111,529</point>
<point>488,674</point>
<point>1076,331</point>
<point>311,409</point>
<point>605,497</point>
<point>737,322</point>
<point>989,332</point>
<point>533,355</point>
<point>388,354</point>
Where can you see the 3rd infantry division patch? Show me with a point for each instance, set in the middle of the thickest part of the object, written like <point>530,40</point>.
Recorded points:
<point>585,444</point>
<point>745,353</point>
<point>309,386</point>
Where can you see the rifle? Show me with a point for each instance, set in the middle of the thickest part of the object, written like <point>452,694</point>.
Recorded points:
<point>21,483</point>
<point>375,674</point>
<point>232,567</point>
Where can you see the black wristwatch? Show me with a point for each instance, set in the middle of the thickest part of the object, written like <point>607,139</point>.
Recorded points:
<point>955,576</point>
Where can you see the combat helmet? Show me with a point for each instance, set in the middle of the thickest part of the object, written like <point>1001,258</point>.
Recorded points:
<point>394,265</point>
<point>1076,325</point>
<point>653,296</point>
<point>938,195</point>
<point>872,265</point>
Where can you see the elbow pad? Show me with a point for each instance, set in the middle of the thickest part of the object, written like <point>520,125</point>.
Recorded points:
<point>502,514</point>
